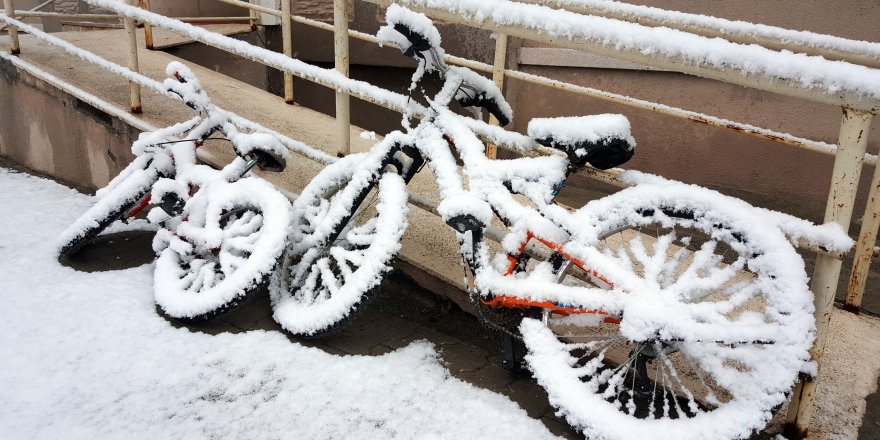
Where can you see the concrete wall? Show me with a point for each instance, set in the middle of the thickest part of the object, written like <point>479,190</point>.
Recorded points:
<point>172,8</point>
<point>49,131</point>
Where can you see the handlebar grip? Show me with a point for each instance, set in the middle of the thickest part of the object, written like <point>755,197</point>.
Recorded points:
<point>417,41</point>
<point>487,103</point>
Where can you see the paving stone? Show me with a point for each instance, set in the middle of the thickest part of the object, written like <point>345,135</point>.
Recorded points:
<point>116,251</point>
<point>424,333</point>
<point>530,396</point>
<point>267,323</point>
<point>463,357</point>
<point>246,316</point>
<point>329,349</point>
<point>377,327</point>
<point>381,349</point>
<point>320,344</point>
<point>490,376</point>
<point>561,428</point>
<point>213,327</point>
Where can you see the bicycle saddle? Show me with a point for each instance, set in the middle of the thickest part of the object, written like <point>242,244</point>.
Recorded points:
<point>604,141</point>
<point>270,154</point>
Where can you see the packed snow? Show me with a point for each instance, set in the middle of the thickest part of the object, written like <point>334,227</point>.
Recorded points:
<point>86,356</point>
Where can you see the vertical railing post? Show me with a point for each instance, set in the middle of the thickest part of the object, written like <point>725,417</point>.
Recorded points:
<point>287,48</point>
<point>340,43</point>
<point>253,15</point>
<point>865,247</point>
<point>131,33</point>
<point>148,29</point>
<point>498,67</point>
<point>13,31</point>
<point>851,146</point>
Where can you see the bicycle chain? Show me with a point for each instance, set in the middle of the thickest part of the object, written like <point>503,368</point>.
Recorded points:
<point>490,323</point>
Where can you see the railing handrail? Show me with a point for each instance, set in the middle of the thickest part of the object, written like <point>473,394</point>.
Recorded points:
<point>772,37</point>
<point>830,82</point>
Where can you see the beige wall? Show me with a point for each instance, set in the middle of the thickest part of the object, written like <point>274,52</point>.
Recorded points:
<point>854,19</point>
<point>59,135</point>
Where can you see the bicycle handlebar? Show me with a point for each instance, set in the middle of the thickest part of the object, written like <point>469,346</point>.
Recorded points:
<point>421,41</point>
<point>269,153</point>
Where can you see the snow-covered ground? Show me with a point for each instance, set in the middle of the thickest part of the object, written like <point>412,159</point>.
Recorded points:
<point>84,355</point>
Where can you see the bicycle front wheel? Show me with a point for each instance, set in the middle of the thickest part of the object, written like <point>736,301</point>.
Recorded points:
<point>716,273</point>
<point>114,203</point>
<point>223,252</point>
<point>347,227</point>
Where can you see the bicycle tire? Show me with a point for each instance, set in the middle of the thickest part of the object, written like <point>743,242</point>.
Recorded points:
<point>194,281</point>
<point>614,386</point>
<point>323,283</point>
<point>112,205</point>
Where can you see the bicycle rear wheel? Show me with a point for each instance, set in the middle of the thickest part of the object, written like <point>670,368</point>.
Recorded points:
<point>221,254</point>
<point>716,274</point>
<point>348,223</point>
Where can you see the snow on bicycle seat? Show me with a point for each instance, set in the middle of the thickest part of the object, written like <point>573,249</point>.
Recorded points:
<point>604,141</point>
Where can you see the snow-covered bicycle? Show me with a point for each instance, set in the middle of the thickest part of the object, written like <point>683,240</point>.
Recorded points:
<point>662,311</point>
<point>221,233</point>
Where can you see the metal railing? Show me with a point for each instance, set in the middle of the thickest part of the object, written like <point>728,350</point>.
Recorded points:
<point>849,152</point>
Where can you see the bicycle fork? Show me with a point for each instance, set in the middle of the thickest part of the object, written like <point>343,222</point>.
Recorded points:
<point>405,161</point>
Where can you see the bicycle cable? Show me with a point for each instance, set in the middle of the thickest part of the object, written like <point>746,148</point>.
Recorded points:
<point>192,140</point>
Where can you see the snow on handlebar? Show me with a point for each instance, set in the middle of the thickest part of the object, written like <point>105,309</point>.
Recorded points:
<point>268,151</point>
<point>417,37</point>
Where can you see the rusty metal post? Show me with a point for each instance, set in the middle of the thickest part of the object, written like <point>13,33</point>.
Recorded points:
<point>131,33</point>
<point>287,48</point>
<point>851,146</point>
<point>148,28</point>
<point>865,247</point>
<point>13,31</point>
<point>253,15</point>
<point>341,15</point>
<point>498,67</point>
<point>35,8</point>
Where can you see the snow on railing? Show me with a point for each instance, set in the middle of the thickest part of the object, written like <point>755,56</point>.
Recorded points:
<point>830,47</point>
<point>327,77</point>
<point>809,77</point>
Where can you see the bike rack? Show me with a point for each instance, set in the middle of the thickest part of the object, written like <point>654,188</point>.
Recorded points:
<point>850,151</point>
